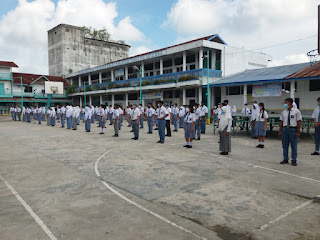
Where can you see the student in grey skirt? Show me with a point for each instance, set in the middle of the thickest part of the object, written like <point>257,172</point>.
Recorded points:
<point>189,128</point>
<point>224,129</point>
<point>261,125</point>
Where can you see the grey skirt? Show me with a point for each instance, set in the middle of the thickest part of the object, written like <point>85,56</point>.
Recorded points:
<point>188,133</point>
<point>225,141</point>
<point>259,131</point>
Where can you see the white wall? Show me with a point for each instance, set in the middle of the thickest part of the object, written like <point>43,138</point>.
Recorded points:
<point>38,86</point>
<point>7,84</point>
<point>5,69</point>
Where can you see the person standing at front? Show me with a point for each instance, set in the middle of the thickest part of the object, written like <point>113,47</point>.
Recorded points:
<point>52,117</point>
<point>261,125</point>
<point>162,114</point>
<point>175,113</point>
<point>289,131</point>
<point>182,113</point>
<point>168,121</point>
<point>224,129</point>
<point>87,119</point>
<point>115,117</point>
<point>203,117</point>
<point>197,123</point>
<point>150,115</point>
<point>19,113</point>
<point>135,117</point>
<point>63,115</point>
<point>189,126</point>
<point>103,114</point>
<point>141,118</point>
<point>255,110</point>
<point>316,120</point>
<point>48,115</point>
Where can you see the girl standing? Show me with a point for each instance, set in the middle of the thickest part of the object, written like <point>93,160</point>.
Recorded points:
<point>261,125</point>
<point>189,129</point>
<point>87,119</point>
<point>53,116</point>
<point>224,129</point>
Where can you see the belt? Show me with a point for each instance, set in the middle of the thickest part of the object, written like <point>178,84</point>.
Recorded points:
<point>289,127</point>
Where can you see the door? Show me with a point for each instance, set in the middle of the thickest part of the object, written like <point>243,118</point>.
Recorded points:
<point>2,89</point>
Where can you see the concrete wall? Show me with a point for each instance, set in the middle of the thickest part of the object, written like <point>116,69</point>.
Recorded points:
<point>5,70</point>
<point>7,85</point>
<point>69,51</point>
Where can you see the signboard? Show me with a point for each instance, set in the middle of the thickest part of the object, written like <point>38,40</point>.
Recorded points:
<point>119,72</point>
<point>267,90</point>
<point>152,95</point>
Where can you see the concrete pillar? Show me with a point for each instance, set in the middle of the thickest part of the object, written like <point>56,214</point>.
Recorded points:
<point>112,75</point>
<point>292,92</point>
<point>112,99</point>
<point>197,60</point>
<point>154,69</point>
<point>161,66</point>
<point>142,69</point>
<point>161,95</point>
<point>127,99</point>
<point>71,81</point>
<point>80,101</point>
<point>213,59</point>
<point>126,73</point>
<point>173,65</point>
<point>245,94</point>
<point>101,99</point>
<point>79,81</point>
<point>201,58</point>
<point>90,100</point>
<point>89,79</point>
<point>184,93</point>
<point>200,95</point>
<point>184,61</point>
<point>100,77</point>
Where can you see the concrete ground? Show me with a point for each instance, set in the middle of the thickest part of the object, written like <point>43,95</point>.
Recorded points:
<point>90,186</point>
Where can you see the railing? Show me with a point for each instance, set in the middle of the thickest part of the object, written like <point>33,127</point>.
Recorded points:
<point>6,76</point>
<point>154,80</point>
<point>6,93</point>
<point>24,94</point>
<point>38,95</point>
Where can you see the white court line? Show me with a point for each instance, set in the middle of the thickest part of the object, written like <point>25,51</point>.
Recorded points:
<point>256,166</point>
<point>29,209</point>
<point>138,205</point>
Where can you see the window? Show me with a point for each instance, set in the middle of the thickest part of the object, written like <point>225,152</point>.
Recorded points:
<point>167,63</point>
<point>168,94</point>
<point>191,58</point>
<point>178,61</point>
<point>286,86</point>
<point>249,89</point>
<point>314,85</point>
<point>165,71</point>
<point>118,97</point>
<point>177,93</point>
<point>190,93</point>
<point>191,67</point>
<point>235,90</point>
<point>132,96</point>
<point>179,69</point>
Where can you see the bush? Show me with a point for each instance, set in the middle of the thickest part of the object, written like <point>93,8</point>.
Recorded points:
<point>126,85</point>
<point>71,89</point>
<point>117,86</point>
<point>88,89</point>
<point>110,85</point>
<point>103,88</point>
<point>186,78</point>
<point>95,87</point>
<point>145,83</point>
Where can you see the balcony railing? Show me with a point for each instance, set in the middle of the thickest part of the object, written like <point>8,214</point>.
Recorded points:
<point>154,80</point>
<point>7,93</point>
<point>6,76</point>
<point>38,95</point>
<point>24,94</point>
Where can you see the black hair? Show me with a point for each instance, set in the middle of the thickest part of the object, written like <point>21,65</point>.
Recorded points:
<point>160,102</point>
<point>290,100</point>
<point>263,109</point>
<point>224,104</point>
<point>191,108</point>
<point>226,101</point>
<point>318,99</point>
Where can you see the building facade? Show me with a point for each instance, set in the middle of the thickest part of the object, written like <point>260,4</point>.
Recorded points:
<point>70,51</point>
<point>29,89</point>
<point>175,74</point>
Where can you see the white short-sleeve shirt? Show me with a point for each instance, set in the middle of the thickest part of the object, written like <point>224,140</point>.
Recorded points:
<point>295,116</point>
<point>259,116</point>
<point>316,113</point>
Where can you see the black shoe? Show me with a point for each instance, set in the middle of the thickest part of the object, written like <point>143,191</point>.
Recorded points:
<point>224,153</point>
<point>315,154</point>
<point>159,141</point>
<point>185,146</point>
<point>61,127</point>
<point>110,124</point>
<point>131,131</point>
<point>198,139</point>
<point>254,137</point>
<point>101,133</point>
<point>135,138</point>
<point>39,123</point>
<point>189,146</point>
<point>221,153</point>
<point>149,132</point>
<point>116,135</point>
<point>284,162</point>
<point>260,146</point>
<point>175,130</point>
<point>294,164</point>
<point>156,129</point>
<point>74,129</point>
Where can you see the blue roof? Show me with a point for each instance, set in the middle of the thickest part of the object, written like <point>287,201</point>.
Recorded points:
<point>261,75</point>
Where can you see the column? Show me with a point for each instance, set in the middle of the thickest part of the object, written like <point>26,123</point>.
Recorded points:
<point>184,61</point>
<point>71,81</point>
<point>79,81</point>
<point>112,99</point>
<point>161,95</point>
<point>101,99</point>
<point>197,60</point>
<point>201,58</point>
<point>161,66</point>
<point>292,92</point>
<point>200,95</point>
<point>89,79</point>
<point>213,59</point>
<point>80,100</point>
<point>245,94</point>
<point>126,73</point>
<point>154,69</point>
<point>142,69</point>
<point>100,77</point>
<point>127,99</point>
<point>184,96</point>
<point>112,76</point>
<point>173,65</point>
<point>90,100</point>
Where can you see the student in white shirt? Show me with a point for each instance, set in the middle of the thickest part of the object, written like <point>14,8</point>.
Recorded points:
<point>141,119</point>
<point>168,121</point>
<point>175,114</point>
<point>203,117</point>
<point>261,125</point>
<point>103,115</point>
<point>115,117</point>
<point>48,115</point>
<point>28,114</point>
<point>52,117</point>
<point>224,129</point>
<point>316,120</point>
<point>18,110</point>
<point>92,114</point>
<point>150,117</point>
<point>289,130</point>
<point>162,114</point>
<point>111,110</point>
<point>245,111</point>
<point>233,110</point>
<point>87,119</point>
<point>120,117</point>
<point>182,112</point>
<point>255,109</point>
<point>135,116</point>
<point>197,127</point>
<point>189,126</point>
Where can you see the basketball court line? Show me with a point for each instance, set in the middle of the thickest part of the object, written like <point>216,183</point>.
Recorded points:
<point>29,209</point>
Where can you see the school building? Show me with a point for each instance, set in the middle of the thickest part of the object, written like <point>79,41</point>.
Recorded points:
<point>272,85</point>
<point>30,88</point>
<point>175,74</point>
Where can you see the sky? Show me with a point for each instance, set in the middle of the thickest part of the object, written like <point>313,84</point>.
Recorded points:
<point>152,24</point>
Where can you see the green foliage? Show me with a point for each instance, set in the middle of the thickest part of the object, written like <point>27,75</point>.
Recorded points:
<point>110,85</point>
<point>88,89</point>
<point>95,87</point>
<point>102,34</point>
<point>186,78</point>
<point>71,89</point>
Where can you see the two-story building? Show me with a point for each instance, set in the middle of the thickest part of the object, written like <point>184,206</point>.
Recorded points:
<point>175,74</point>
<point>16,88</point>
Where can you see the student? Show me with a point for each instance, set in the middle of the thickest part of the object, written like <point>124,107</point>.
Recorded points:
<point>168,121</point>
<point>261,125</point>
<point>245,111</point>
<point>219,113</point>
<point>111,110</point>
<point>316,120</point>
<point>197,123</point>
<point>175,113</point>
<point>24,116</point>
<point>156,117</point>
<point>58,114</point>
<point>39,113</point>
<point>255,109</point>
<point>120,117</point>
<point>28,114</point>
<point>19,113</point>
<point>233,110</point>
<point>141,115</point>
<point>48,116</point>
<point>52,117</point>
<point>63,115</point>
<point>226,102</point>
<point>203,117</point>
<point>224,129</point>
<point>12,112</point>
<point>103,115</point>
<point>150,116</point>
<point>135,116</point>
<point>182,113</point>
<point>92,114</point>
<point>87,119</point>
<point>75,116</point>
<point>189,126</point>
<point>162,114</point>
<point>35,114</point>
<point>79,113</point>
<point>289,130</point>
<point>69,117</point>
<point>115,117</point>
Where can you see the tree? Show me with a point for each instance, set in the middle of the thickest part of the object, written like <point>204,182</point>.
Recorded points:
<point>102,34</point>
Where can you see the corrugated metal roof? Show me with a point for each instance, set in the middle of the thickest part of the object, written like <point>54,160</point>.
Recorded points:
<point>8,64</point>
<point>310,71</point>
<point>29,78</point>
<point>261,74</point>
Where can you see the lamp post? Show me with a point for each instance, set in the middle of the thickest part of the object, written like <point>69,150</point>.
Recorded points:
<point>21,94</point>
<point>84,91</point>
<point>208,89</point>
<point>140,70</point>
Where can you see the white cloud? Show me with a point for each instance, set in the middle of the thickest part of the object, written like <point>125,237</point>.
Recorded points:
<point>23,37</point>
<point>290,59</point>
<point>248,23</point>
<point>139,50</point>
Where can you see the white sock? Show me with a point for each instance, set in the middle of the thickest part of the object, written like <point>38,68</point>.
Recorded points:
<point>103,130</point>
<point>190,143</point>
<point>262,143</point>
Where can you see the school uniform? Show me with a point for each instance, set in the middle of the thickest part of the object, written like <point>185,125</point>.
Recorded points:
<point>75,115</point>
<point>197,126</point>
<point>69,117</point>
<point>189,120</point>
<point>87,119</point>
<point>48,116</point>
<point>175,113</point>
<point>182,113</point>
<point>253,119</point>
<point>63,116</point>
<point>129,113</point>
<point>115,117</point>
<point>39,112</point>
<point>245,111</point>
<point>225,124</point>
<point>150,116</point>
<point>316,116</point>
<point>28,115</point>
<point>141,119</point>
<point>24,116</point>
<point>43,113</point>
<point>290,118</point>
<point>260,118</point>
<point>53,117</point>
<point>92,115</point>
<point>18,109</point>
<point>120,118</point>
<point>58,115</point>
<point>168,119</point>
<point>135,126</point>
<point>111,110</point>
<point>162,112</point>
<point>78,114</point>
<point>155,119</point>
<point>12,112</point>
<point>103,118</point>
<point>99,116</point>
<point>203,112</point>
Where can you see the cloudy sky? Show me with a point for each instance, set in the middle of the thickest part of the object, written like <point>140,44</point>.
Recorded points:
<point>149,25</point>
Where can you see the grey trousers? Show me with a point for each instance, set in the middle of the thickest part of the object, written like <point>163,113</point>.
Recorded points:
<point>225,141</point>
<point>74,123</point>
<point>135,127</point>
<point>116,127</point>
